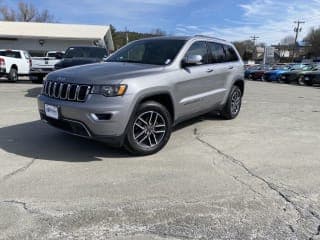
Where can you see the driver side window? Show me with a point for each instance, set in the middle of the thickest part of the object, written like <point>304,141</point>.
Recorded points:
<point>199,48</point>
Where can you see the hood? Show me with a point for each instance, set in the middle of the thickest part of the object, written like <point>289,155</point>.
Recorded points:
<point>104,73</point>
<point>70,62</point>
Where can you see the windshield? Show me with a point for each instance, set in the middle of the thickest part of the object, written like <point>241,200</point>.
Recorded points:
<point>86,52</point>
<point>155,52</point>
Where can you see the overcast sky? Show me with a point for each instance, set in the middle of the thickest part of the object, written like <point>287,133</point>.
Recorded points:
<point>233,20</point>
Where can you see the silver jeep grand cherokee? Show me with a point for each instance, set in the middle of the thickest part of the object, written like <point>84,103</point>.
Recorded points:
<point>143,90</point>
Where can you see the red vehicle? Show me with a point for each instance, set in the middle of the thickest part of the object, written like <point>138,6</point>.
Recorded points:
<point>258,73</point>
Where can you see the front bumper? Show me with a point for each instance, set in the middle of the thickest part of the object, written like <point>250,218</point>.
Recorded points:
<point>80,118</point>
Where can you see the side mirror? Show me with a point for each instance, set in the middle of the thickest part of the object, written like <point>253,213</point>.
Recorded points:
<point>192,60</point>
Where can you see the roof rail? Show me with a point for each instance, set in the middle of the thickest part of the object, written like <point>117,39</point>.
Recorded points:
<point>205,36</point>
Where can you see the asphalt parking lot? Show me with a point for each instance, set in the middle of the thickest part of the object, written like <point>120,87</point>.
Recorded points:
<point>256,177</point>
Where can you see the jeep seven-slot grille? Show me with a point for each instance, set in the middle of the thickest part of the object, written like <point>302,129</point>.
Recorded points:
<point>66,91</point>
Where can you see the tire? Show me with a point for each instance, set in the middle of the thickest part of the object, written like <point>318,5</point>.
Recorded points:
<point>301,82</point>
<point>149,129</point>
<point>13,75</point>
<point>38,79</point>
<point>233,106</point>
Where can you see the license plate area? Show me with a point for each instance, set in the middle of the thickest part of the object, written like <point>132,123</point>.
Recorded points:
<point>51,111</point>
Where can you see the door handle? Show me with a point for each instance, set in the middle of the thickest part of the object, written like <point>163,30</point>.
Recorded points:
<point>231,67</point>
<point>209,70</point>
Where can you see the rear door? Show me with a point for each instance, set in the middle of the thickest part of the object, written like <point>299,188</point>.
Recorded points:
<point>201,87</point>
<point>223,61</point>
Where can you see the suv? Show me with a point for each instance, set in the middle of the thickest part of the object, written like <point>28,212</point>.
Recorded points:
<point>144,89</point>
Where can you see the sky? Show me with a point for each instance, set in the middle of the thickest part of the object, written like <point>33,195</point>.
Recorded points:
<point>232,20</point>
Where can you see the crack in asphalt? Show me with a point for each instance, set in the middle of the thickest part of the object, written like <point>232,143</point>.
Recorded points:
<point>14,202</point>
<point>19,170</point>
<point>270,185</point>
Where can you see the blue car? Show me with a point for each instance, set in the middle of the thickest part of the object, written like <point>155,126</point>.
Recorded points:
<point>275,74</point>
<point>248,72</point>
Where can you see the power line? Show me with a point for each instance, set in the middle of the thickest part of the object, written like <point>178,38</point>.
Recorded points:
<point>254,38</point>
<point>297,30</point>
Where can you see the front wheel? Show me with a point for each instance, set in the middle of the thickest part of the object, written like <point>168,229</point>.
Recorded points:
<point>149,129</point>
<point>232,108</point>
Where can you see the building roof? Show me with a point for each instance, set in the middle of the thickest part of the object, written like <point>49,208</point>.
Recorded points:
<point>52,30</point>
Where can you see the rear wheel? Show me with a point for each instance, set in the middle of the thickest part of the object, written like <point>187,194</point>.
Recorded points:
<point>149,129</point>
<point>301,81</point>
<point>13,75</point>
<point>232,108</point>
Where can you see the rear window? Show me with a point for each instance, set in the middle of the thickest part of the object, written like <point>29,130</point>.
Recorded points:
<point>13,54</point>
<point>86,52</point>
<point>231,55</point>
<point>218,54</point>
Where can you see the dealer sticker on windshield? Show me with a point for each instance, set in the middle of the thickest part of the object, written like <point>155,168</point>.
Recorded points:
<point>51,111</point>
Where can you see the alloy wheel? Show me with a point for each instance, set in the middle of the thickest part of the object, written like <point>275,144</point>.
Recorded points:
<point>149,129</point>
<point>235,102</point>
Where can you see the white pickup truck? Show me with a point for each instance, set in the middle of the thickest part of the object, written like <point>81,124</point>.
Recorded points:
<point>14,63</point>
<point>41,66</point>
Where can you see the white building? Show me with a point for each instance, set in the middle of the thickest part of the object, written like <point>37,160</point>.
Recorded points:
<point>38,38</point>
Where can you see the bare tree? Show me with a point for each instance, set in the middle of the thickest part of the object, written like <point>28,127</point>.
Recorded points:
<point>246,49</point>
<point>158,32</point>
<point>25,12</point>
<point>288,40</point>
<point>313,38</point>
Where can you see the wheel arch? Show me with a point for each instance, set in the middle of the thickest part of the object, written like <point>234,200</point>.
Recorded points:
<point>162,97</point>
<point>14,66</point>
<point>240,83</point>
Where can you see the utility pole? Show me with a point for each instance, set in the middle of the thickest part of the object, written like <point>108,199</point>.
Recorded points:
<point>254,38</point>
<point>297,30</point>
<point>127,35</point>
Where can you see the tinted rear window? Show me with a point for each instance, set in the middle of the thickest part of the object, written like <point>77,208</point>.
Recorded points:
<point>86,52</point>
<point>231,55</point>
<point>13,54</point>
<point>218,54</point>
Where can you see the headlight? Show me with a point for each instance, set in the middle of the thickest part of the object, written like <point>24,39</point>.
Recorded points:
<point>283,77</point>
<point>109,90</point>
<point>306,78</point>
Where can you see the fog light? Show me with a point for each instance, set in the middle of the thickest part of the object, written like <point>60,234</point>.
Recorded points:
<point>101,116</point>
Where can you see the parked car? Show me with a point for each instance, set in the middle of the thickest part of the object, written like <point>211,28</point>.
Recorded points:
<point>14,63</point>
<point>274,75</point>
<point>249,70</point>
<point>293,75</point>
<point>144,89</point>
<point>41,66</point>
<point>310,78</point>
<point>75,56</point>
<point>258,73</point>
